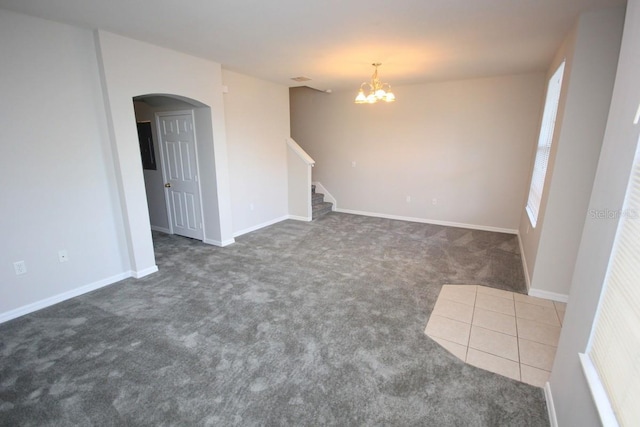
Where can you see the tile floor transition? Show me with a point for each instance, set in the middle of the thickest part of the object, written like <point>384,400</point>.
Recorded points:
<point>503,332</point>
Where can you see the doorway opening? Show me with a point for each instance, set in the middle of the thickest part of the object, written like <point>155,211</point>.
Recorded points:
<point>171,129</point>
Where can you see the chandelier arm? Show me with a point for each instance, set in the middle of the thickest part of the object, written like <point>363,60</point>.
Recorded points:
<point>363,85</point>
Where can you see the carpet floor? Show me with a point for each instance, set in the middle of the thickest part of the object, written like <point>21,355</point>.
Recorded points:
<point>298,323</point>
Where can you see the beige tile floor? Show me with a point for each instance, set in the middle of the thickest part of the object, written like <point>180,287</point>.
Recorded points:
<point>503,332</point>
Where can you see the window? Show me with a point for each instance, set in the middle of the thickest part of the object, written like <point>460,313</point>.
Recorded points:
<point>612,362</point>
<point>544,144</point>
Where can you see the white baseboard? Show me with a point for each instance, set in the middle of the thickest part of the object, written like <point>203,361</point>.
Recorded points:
<point>300,218</point>
<point>161,229</point>
<point>524,263</point>
<point>220,243</point>
<point>327,196</point>
<point>145,272</point>
<point>539,293</point>
<point>431,221</point>
<point>38,305</point>
<point>553,420</point>
<point>259,226</point>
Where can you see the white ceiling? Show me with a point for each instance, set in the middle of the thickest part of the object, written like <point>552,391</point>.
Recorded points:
<point>334,42</point>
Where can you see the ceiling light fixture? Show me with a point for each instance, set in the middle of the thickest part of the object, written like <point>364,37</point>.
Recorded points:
<point>378,91</point>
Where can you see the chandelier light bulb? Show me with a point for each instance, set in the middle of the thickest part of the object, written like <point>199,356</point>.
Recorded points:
<point>361,98</point>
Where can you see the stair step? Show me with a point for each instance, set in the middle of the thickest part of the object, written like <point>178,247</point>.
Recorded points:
<point>321,209</point>
<point>317,198</point>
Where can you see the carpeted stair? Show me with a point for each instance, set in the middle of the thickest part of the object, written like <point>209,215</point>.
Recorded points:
<point>318,205</point>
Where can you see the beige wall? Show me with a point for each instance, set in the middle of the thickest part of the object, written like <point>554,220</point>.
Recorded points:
<point>591,52</point>
<point>467,144</point>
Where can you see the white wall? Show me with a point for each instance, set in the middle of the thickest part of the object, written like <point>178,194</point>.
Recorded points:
<point>550,249</point>
<point>257,122</point>
<point>60,187</point>
<point>131,68</point>
<point>573,403</point>
<point>257,125</point>
<point>465,143</point>
<point>71,149</point>
<point>529,236</point>
<point>299,166</point>
<point>218,199</point>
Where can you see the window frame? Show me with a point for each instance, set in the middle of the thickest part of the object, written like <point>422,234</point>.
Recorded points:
<point>545,142</point>
<point>620,282</point>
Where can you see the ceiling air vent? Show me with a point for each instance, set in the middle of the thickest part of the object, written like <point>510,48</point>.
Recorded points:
<point>300,79</point>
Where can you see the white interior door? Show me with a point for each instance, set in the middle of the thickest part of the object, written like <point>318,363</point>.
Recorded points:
<point>180,172</point>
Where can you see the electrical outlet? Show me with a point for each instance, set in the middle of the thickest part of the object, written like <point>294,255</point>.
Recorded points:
<point>353,164</point>
<point>408,199</point>
<point>434,201</point>
<point>251,207</point>
<point>20,267</point>
<point>63,256</point>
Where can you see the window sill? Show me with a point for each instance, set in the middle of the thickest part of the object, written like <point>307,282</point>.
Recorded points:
<point>600,398</point>
<point>532,217</point>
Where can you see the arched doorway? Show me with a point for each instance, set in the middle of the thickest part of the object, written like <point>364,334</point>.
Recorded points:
<point>179,209</point>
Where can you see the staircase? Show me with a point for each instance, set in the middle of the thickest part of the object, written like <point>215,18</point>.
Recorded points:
<point>318,205</point>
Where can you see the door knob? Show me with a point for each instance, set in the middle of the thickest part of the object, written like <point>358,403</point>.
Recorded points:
<point>168,185</point>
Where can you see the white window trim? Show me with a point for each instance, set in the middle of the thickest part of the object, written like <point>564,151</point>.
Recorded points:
<point>543,147</point>
<point>599,394</point>
<point>596,385</point>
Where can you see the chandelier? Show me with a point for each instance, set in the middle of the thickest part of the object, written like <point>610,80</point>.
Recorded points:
<point>378,91</point>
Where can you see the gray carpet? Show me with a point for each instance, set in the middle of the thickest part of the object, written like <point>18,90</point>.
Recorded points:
<point>296,324</point>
